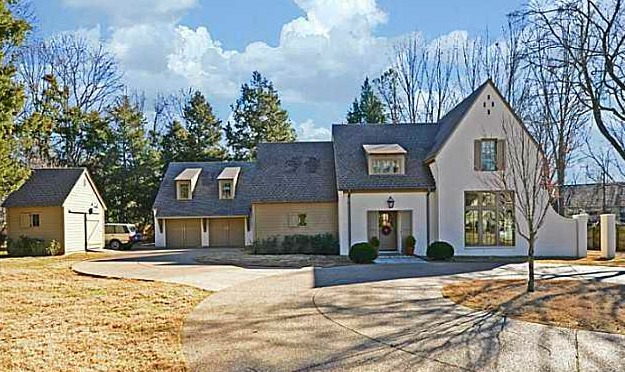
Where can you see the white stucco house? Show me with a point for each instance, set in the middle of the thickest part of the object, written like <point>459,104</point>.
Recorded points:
<point>389,181</point>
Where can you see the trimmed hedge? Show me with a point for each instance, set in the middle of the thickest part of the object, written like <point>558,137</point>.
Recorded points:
<point>375,242</point>
<point>323,244</point>
<point>26,246</point>
<point>440,251</point>
<point>363,253</point>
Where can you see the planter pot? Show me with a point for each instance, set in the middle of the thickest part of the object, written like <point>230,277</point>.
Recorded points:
<point>409,251</point>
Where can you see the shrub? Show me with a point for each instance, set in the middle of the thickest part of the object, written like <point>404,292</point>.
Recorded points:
<point>324,244</point>
<point>440,251</point>
<point>363,253</point>
<point>411,241</point>
<point>26,246</point>
<point>375,242</point>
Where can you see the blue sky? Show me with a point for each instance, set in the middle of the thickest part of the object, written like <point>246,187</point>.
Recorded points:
<point>316,51</point>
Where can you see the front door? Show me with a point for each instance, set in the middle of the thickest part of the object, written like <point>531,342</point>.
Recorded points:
<point>387,227</point>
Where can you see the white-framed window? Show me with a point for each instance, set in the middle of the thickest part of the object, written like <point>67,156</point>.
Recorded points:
<point>489,218</point>
<point>28,220</point>
<point>298,219</point>
<point>225,191</point>
<point>381,165</point>
<point>184,190</point>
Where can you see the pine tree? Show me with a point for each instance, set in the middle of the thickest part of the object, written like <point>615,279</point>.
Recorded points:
<point>369,109</point>
<point>174,143</point>
<point>12,34</point>
<point>204,131</point>
<point>257,117</point>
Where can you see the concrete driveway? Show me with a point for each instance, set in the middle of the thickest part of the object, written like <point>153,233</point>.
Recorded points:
<point>386,318</point>
<point>174,266</point>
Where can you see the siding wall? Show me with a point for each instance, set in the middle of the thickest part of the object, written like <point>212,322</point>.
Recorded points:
<point>272,219</point>
<point>81,198</point>
<point>50,223</point>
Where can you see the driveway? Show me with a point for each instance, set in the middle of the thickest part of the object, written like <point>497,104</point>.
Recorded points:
<point>174,266</point>
<point>386,318</point>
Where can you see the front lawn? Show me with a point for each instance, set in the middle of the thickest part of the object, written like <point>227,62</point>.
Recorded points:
<point>54,319</point>
<point>238,257</point>
<point>594,306</point>
<point>593,258</point>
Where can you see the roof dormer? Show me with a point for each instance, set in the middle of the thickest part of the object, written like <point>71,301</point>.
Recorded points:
<point>185,183</point>
<point>386,159</point>
<point>227,180</point>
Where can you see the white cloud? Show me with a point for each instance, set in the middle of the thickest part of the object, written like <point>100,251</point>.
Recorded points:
<point>129,11</point>
<point>309,131</point>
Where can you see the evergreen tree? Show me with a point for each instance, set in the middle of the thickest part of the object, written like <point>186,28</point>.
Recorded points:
<point>130,169</point>
<point>12,33</point>
<point>257,117</point>
<point>204,130</point>
<point>174,143</point>
<point>368,109</point>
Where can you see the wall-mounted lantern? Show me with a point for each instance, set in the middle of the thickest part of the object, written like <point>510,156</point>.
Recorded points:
<point>391,202</point>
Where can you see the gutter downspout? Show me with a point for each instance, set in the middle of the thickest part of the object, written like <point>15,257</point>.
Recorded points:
<point>349,219</point>
<point>427,217</point>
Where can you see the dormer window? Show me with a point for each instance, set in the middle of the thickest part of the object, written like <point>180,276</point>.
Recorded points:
<point>185,183</point>
<point>386,159</point>
<point>227,180</point>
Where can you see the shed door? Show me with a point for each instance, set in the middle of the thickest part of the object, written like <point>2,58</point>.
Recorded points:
<point>183,233</point>
<point>226,232</point>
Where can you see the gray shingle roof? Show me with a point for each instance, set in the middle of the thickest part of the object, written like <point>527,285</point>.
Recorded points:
<point>45,188</point>
<point>448,123</point>
<point>295,172</point>
<point>351,161</point>
<point>205,200</point>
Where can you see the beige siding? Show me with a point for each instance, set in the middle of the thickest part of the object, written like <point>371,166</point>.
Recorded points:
<point>50,223</point>
<point>274,219</point>
<point>81,198</point>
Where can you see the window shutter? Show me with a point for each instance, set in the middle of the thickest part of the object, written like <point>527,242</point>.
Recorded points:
<point>501,154</point>
<point>293,220</point>
<point>477,150</point>
<point>24,220</point>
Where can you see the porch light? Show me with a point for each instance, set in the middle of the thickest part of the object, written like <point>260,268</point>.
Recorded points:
<point>391,202</point>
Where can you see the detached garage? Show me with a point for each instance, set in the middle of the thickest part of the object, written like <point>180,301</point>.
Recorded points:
<point>184,233</point>
<point>59,204</point>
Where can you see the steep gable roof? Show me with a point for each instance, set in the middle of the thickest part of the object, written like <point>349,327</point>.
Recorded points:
<point>295,172</point>
<point>46,187</point>
<point>352,172</point>
<point>448,123</point>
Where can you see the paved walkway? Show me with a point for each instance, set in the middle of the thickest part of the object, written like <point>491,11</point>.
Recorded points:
<point>371,317</point>
<point>174,266</point>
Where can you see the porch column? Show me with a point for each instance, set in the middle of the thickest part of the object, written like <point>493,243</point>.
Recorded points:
<point>581,224</point>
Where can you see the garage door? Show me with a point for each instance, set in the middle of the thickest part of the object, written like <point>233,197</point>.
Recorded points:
<point>227,232</point>
<point>183,233</point>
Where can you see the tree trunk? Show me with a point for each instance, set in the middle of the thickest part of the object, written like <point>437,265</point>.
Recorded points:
<point>530,266</point>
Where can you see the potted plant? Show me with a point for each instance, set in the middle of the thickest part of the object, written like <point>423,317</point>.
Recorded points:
<point>375,243</point>
<point>409,245</point>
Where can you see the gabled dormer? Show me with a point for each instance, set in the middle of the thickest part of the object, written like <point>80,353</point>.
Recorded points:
<point>185,183</point>
<point>227,180</point>
<point>386,159</point>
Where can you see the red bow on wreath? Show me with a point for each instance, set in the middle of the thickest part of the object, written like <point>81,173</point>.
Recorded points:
<point>386,230</point>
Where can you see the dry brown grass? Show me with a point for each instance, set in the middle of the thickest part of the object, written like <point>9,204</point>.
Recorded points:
<point>243,259</point>
<point>576,304</point>
<point>54,319</point>
<point>593,258</point>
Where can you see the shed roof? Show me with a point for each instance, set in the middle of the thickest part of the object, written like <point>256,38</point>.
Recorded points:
<point>384,149</point>
<point>46,187</point>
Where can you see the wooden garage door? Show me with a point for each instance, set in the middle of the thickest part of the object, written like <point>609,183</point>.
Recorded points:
<point>226,232</point>
<point>183,233</point>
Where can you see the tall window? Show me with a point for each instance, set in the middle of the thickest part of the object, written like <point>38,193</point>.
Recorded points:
<point>184,190</point>
<point>34,220</point>
<point>489,218</point>
<point>488,155</point>
<point>226,190</point>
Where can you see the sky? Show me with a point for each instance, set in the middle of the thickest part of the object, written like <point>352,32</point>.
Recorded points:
<point>316,52</point>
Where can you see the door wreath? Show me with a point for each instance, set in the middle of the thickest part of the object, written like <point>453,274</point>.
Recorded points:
<point>386,230</point>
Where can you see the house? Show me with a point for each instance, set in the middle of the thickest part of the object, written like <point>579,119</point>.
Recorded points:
<point>59,204</point>
<point>389,181</point>
<point>595,199</point>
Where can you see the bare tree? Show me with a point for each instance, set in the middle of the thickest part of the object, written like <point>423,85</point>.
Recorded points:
<point>525,175</point>
<point>409,60</point>
<point>592,36</point>
<point>387,87</point>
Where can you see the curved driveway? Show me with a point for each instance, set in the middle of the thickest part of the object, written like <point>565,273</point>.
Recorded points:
<point>374,318</point>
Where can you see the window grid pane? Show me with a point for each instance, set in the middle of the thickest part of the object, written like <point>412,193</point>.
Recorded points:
<point>488,155</point>
<point>489,218</point>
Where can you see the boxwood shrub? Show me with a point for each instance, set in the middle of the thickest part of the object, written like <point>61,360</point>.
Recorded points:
<point>323,244</point>
<point>363,253</point>
<point>25,246</point>
<point>440,251</point>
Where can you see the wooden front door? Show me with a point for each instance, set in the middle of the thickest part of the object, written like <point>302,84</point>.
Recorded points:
<point>226,232</point>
